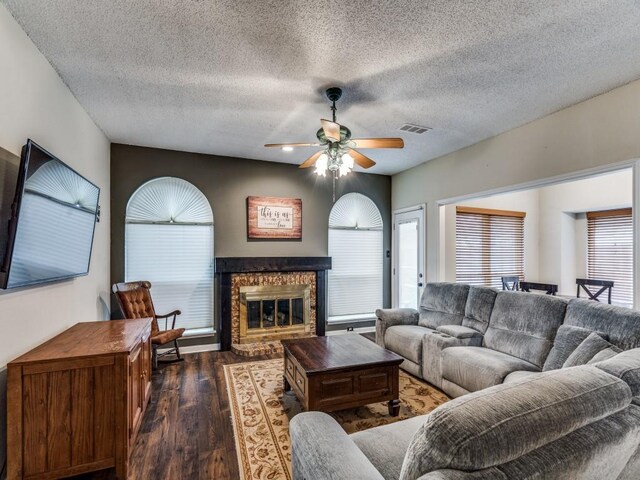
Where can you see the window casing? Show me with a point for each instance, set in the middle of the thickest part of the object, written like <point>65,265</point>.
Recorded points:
<point>169,242</point>
<point>356,250</point>
<point>489,245</point>
<point>610,252</point>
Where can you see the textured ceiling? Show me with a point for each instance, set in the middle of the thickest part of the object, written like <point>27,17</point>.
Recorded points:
<point>227,76</point>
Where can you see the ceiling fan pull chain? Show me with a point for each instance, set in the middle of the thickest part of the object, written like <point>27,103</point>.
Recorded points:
<point>335,175</point>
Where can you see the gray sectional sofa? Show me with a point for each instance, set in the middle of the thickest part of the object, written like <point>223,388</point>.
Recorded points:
<point>547,389</point>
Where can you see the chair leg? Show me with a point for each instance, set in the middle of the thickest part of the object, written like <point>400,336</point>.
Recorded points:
<point>154,356</point>
<point>175,342</point>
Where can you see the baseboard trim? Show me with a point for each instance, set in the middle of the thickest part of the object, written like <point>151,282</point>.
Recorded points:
<point>355,330</point>
<point>207,347</point>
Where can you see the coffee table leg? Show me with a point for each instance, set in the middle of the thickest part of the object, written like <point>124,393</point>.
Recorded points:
<point>285,383</point>
<point>394,407</point>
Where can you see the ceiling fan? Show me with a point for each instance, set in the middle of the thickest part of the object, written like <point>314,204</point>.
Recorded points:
<point>339,154</point>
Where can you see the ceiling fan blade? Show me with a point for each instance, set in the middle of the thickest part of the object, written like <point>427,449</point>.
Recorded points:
<point>311,160</point>
<point>378,142</point>
<point>331,130</point>
<point>360,159</point>
<point>292,145</point>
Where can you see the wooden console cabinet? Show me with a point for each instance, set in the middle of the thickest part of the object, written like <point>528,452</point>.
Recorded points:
<point>76,402</point>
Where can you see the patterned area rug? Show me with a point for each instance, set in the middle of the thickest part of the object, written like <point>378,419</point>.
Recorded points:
<point>261,413</point>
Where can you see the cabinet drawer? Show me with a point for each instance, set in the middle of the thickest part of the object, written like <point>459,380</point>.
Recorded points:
<point>290,368</point>
<point>300,380</point>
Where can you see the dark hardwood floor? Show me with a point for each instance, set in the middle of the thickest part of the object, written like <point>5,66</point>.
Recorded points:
<point>187,432</point>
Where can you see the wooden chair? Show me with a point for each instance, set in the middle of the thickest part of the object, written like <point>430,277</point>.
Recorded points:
<point>135,301</point>
<point>510,283</point>
<point>548,288</point>
<point>605,286</point>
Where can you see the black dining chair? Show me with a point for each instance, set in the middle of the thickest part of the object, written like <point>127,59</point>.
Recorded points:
<point>585,283</point>
<point>511,282</point>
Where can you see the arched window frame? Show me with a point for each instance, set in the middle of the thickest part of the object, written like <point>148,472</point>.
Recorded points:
<point>356,278</point>
<point>161,215</point>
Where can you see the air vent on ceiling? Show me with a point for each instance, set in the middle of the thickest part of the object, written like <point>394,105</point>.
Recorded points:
<point>412,128</point>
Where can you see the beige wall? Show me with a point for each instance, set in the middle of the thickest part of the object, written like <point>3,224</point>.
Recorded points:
<point>36,104</point>
<point>597,132</point>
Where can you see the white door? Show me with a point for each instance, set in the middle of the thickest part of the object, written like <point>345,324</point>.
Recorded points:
<point>408,257</point>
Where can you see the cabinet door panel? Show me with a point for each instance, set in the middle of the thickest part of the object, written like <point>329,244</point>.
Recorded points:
<point>82,403</point>
<point>135,405</point>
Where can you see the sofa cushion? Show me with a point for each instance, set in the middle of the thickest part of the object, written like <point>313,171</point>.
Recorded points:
<point>406,340</point>
<point>524,324</point>
<point>588,349</point>
<point>621,325</point>
<point>625,366</point>
<point>443,304</point>
<point>458,331</point>
<point>477,311</point>
<point>475,368</point>
<point>385,446</point>
<point>502,423</point>
<point>519,375</point>
<point>567,340</point>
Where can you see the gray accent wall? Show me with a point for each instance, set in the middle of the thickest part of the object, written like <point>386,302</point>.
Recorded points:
<point>227,182</point>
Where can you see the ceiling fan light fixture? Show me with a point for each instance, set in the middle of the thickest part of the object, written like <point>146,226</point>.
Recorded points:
<point>287,149</point>
<point>321,165</point>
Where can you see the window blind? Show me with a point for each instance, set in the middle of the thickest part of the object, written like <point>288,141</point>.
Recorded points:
<point>169,242</point>
<point>489,245</point>
<point>355,278</point>
<point>178,261</point>
<point>610,251</point>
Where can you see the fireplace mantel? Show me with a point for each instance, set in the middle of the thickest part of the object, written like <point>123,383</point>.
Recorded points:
<point>228,266</point>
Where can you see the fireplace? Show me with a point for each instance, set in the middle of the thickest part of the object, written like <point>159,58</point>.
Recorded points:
<point>272,312</point>
<point>265,299</point>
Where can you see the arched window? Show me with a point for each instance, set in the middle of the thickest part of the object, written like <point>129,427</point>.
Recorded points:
<point>169,241</point>
<point>356,249</point>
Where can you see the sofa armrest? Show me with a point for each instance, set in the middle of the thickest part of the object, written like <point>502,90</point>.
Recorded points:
<point>388,317</point>
<point>458,331</point>
<point>432,346</point>
<point>321,450</point>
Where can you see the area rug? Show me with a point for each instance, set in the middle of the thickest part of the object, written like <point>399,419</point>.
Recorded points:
<point>260,414</point>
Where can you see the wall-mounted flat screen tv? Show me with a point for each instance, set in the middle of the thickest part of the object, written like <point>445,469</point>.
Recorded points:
<point>52,222</point>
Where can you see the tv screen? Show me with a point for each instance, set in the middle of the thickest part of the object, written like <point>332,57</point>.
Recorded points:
<point>52,223</point>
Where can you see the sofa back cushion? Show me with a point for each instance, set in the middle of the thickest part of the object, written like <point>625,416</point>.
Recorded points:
<point>477,311</point>
<point>565,342</point>
<point>499,424</point>
<point>621,325</point>
<point>625,366</point>
<point>443,304</point>
<point>524,325</point>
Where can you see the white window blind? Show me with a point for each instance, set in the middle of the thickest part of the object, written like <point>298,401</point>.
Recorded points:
<point>169,242</point>
<point>489,245</point>
<point>356,251</point>
<point>610,252</point>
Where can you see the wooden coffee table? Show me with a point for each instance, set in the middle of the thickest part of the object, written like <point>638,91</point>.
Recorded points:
<point>341,371</point>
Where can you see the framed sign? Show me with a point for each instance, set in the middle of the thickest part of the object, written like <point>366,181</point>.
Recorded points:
<point>272,218</point>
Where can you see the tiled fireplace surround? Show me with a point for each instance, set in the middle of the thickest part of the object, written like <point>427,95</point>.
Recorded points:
<point>235,272</point>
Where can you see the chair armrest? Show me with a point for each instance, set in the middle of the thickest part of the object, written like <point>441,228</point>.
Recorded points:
<point>432,346</point>
<point>458,331</point>
<point>321,450</point>
<point>173,314</point>
<point>388,317</point>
